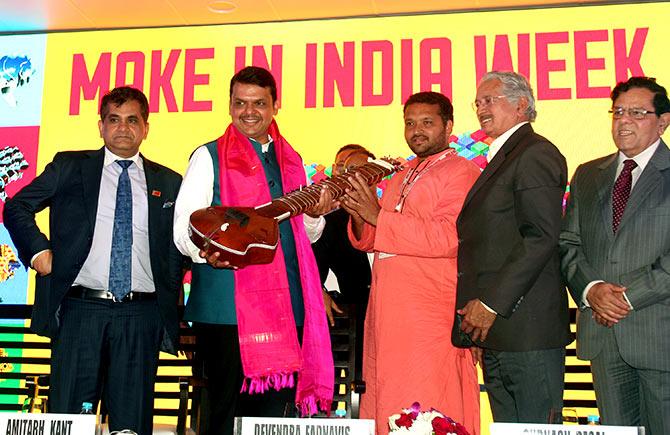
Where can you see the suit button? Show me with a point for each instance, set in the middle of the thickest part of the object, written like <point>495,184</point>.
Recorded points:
<point>459,274</point>
<point>460,240</point>
<point>271,183</point>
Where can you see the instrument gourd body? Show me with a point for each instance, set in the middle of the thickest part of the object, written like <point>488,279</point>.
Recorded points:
<point>250,235</point>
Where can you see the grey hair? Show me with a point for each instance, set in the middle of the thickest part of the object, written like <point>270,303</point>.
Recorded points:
<point>514,87</point>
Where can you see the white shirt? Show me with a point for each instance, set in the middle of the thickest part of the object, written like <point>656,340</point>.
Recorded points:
<point>196,192</point>
<point>500,141</point>
<point>641,160</point>
<point>495,146</point>
<point>95,271</point>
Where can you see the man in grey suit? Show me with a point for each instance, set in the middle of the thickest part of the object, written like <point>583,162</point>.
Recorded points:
<point>615,247</point>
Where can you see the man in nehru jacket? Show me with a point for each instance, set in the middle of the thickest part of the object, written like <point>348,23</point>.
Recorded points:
<point>108,277</point>
<point>250,165</point>
<point>511,302</point>
<point>614,245</point>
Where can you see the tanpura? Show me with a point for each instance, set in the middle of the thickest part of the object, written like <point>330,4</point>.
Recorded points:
<point>249,235</point>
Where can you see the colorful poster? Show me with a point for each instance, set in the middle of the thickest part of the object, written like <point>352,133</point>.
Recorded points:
<point>21,79</point>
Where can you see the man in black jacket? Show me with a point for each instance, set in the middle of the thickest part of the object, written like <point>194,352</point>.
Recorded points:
<point>108,275</point>
<point>510,295</point>
<point>334,252</point>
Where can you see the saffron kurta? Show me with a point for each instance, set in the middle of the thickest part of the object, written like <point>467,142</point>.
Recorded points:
<point>408,355</point>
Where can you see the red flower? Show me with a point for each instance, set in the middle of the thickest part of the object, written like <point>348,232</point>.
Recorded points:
<point>459,429</point>
<point>440,426</point>
<point>405,420</point>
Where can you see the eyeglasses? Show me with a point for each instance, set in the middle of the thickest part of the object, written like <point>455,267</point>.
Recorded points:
<point>343,168</point>
<point>486,101</point>
<point>633,112</point>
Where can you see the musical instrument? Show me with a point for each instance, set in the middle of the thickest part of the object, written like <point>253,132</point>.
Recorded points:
<point>249,235</point>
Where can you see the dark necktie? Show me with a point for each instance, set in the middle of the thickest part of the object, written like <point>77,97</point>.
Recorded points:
<point>621,192</point>
<point>120,266</point>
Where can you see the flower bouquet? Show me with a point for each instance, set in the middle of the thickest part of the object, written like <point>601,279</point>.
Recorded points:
<point>433,422</point>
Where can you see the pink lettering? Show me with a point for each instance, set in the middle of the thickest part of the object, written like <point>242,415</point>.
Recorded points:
<point>545,66</point>
<point>441,77</point>
<point>584,64</point>
<point>310,76</point>
<point>80,83</point>
<point>385,50</point>
<point>161,80</point>
<point>407,70</point>
<point>191,79</point>
<point>625,61</point>
<point>122,61</point>
<point>338,72</point>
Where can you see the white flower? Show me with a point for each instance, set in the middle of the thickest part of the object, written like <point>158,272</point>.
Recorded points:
<point>421,427</point>
<point>429,415</point>
<point>392,420</point>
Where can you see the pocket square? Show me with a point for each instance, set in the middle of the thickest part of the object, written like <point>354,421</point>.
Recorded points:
<point>168,204</point>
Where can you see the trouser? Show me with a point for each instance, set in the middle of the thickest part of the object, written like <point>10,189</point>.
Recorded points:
<point>107,349</point>
<point>628,396</point>
<point>217,346</point>
<point>525,387</point>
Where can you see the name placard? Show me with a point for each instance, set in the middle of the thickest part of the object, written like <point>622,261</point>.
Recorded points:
<point>46,424</point>
<point>302,426</point>
<point>557,429</point>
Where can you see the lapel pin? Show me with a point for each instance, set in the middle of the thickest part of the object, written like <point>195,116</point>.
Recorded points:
<point>156,193</point>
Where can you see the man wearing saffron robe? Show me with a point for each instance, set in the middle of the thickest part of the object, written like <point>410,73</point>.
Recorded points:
<point>280,302</point>
<point>408,355</point>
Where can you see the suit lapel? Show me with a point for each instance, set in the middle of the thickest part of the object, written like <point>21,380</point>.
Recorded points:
<point>498,160</point>
<point>650,180</point>
<point>91,174</point>
<point>154,198</point>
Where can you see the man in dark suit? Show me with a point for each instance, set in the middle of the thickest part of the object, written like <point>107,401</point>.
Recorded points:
<point>333,251</point>
<point>108,275</point>
<point>614,245</point>
<point>351,267</point>
<point>510,298</point>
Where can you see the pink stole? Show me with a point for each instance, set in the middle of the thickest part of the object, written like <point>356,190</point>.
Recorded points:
<point>269,346</point>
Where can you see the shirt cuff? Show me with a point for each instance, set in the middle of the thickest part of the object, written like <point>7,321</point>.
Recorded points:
<point>628,301</point>
<point>586,291</point>
<point>314,227</point>
<point>32,260</point>
<point>489,309</point>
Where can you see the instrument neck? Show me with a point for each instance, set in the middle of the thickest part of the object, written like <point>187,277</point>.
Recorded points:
<point>301,200</point>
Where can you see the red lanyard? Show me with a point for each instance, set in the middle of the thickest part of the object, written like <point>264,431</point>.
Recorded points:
<point>414,174</point>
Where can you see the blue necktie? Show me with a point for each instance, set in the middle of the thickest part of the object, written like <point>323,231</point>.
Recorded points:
<point>120,266</point>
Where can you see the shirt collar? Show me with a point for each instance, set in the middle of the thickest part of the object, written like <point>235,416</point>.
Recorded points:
<point>641,159</point>
<point>500,140</point>
<point>110,158</point>
<point>264,146</point>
